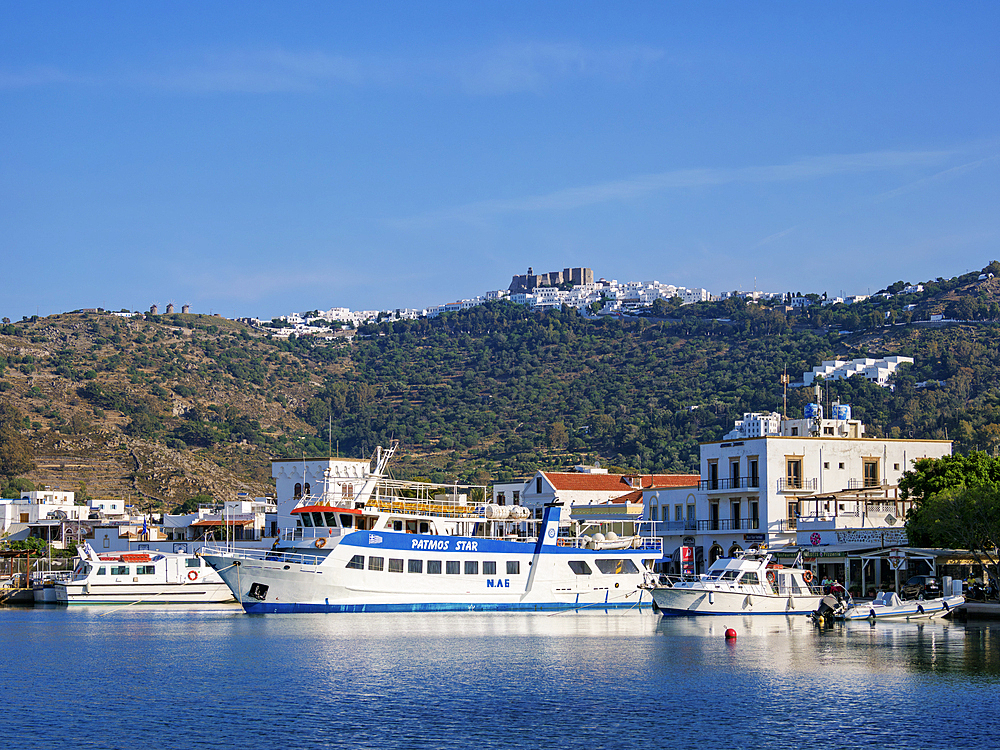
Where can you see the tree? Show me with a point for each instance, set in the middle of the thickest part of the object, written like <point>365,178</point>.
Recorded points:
<point>963,518</point>
<point>930,476</point>
<point>191,504</point>
<point>15,454</point>
<point>31,544</point>
<point>557,435</point>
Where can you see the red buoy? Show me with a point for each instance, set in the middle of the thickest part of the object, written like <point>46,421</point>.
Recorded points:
<point>730,634</point>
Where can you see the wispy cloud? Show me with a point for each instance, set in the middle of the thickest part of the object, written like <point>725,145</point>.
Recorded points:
<point>620,190</point>
<point>945,174</point>
<point>272,71</point>
<point>36,76</point>
<point>772,238</point>
<point>533,67</point>
<point>498,70</point>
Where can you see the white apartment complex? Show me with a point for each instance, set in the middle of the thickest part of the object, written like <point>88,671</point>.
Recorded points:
<point>758,490</point>
<point>875,370</point>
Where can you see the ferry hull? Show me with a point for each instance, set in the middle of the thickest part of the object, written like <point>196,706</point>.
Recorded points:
<point>317,589</point>
<point>264,608</point>
<point>687,602</point>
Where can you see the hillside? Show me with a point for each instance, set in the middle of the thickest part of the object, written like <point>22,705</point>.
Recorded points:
<point>162,408</point>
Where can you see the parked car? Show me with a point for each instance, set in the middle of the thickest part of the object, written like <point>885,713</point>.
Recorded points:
<point>921,587</point>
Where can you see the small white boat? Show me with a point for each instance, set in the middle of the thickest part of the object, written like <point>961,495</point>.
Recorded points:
<point>45,586</point>
<point>888,605</point>
<point>747,585</point>
<point>142,577</point>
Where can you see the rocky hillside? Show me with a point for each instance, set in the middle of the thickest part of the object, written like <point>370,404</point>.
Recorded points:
<point>163,408</point>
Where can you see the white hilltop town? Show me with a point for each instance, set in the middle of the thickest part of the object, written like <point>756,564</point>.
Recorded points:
<point>572,287</point>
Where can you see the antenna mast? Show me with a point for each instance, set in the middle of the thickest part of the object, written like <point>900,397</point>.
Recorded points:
<point>784,393</point>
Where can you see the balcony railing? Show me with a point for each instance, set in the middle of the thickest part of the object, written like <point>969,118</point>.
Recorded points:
<point>734,483</point>
<point>729,524</point>
<point>666,526</point>
<point>867,484</point>
<point>797,484</point>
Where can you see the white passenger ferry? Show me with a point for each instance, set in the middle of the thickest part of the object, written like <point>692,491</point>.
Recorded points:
<point>141,577</point>
<point>408,546</point>
<point>747,585</point>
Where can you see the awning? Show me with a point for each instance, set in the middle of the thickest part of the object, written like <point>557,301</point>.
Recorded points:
<point>824,550</point>
<point>208,522</point>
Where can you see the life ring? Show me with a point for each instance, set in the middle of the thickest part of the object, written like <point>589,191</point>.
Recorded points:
<point>321,542</point>
<point>192,575</point>
<point>807,576</point>
<point>770,576</point>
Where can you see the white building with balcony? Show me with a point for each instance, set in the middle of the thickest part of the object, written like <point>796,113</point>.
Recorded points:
<point>756,491</point>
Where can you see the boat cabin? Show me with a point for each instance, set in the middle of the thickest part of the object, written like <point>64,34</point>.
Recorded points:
<point>329,517</point>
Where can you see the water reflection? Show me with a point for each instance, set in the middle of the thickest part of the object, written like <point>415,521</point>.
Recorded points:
<point>595,679</point>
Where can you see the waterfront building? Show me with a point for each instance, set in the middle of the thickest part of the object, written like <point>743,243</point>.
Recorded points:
<point>755,491</point>
<point>591,485</point>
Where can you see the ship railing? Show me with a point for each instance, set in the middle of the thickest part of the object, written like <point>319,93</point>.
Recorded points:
<point>264,555</point>
<point>422,508</point>
<point>645,543</point>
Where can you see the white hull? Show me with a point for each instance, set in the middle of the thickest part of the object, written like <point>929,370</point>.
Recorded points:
<point>524,577</point>
<point>45,594</point>
<point>700,601</point>
<point>133,578</point>
<point>905,610</point>
<point>152,593</point>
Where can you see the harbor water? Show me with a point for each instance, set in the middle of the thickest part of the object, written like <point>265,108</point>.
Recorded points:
<point>134,677</point>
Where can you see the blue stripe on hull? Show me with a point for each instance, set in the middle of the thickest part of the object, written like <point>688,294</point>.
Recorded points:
<point>264,608</point>
<point>703,613</point>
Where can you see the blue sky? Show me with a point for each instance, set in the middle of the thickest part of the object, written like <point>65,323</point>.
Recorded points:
<point>261,158</point>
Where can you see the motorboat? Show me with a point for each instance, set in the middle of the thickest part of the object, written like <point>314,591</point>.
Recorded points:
<point>141,577</point>
<point>751,584</point>
<point>887,605</point>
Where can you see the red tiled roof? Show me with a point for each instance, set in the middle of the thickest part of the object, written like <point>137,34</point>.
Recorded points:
<point>571,480</point>
<point>632,497</point>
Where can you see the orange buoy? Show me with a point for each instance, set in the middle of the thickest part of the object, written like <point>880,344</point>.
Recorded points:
<point>730,634</point>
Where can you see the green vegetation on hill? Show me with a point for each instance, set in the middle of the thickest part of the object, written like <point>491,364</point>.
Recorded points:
<point>175,406</point>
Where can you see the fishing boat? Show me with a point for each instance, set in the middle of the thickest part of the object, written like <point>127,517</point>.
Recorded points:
<point>414,546</point>
<point>141,577</point>
<point>887,605</point>
<point>747,585</point>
